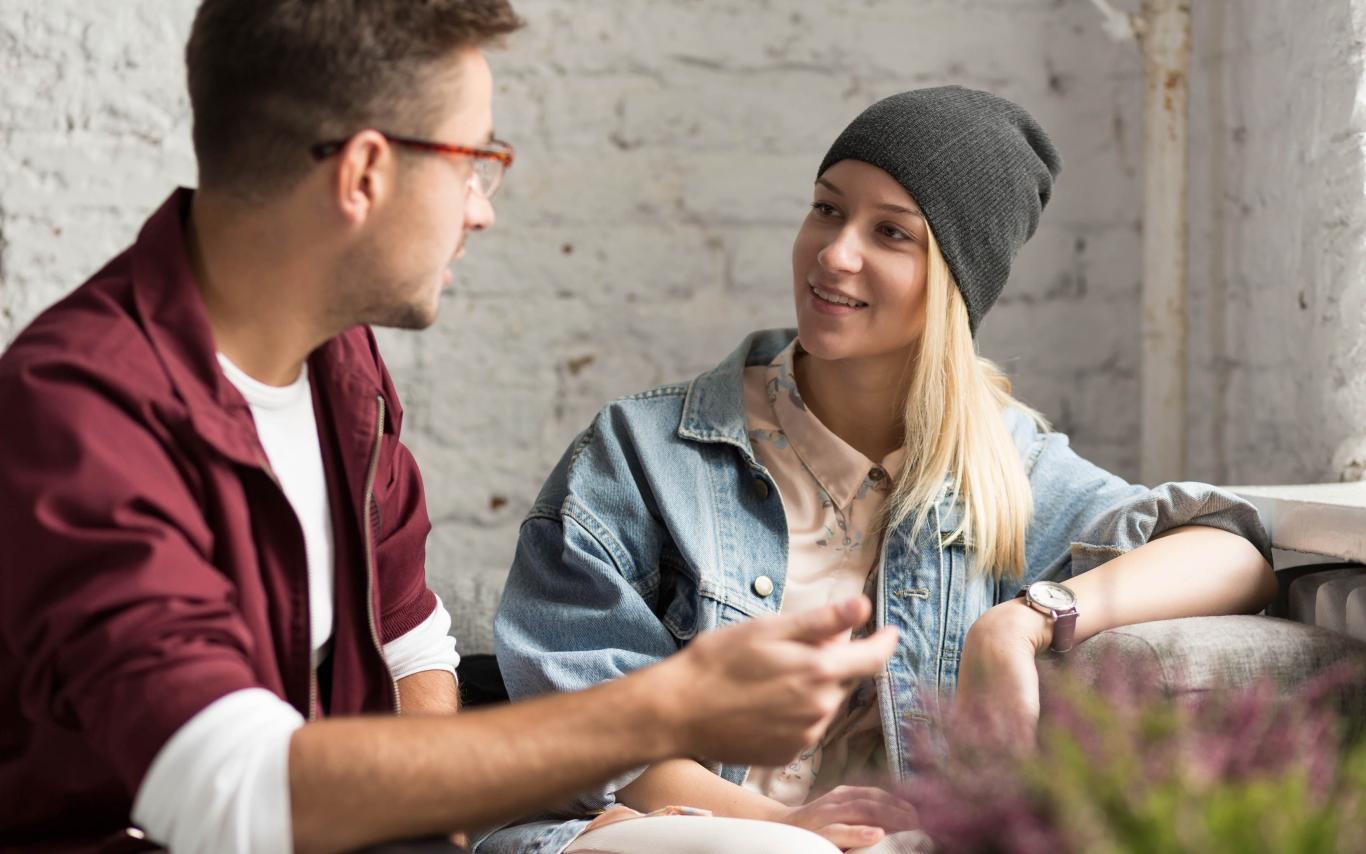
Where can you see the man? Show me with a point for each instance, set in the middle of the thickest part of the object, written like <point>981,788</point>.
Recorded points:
<point>213,536</point>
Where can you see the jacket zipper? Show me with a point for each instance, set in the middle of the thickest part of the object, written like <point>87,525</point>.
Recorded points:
<point>370,547</point>
<point>264,463</point>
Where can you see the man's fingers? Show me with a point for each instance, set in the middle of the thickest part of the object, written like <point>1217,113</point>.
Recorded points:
<point>861,658</point>
<point>822,624</point>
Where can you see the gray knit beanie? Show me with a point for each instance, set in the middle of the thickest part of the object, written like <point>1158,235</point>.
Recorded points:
<point>979,166</point>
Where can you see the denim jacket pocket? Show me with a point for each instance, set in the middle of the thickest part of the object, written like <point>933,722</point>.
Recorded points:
<point>679,599</point>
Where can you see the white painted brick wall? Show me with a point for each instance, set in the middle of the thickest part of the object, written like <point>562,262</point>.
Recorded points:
<point>1278,259</point>
<point>665,155</point>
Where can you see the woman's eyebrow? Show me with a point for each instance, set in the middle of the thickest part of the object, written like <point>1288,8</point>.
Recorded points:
<point>883,207</point>
<point>900,209</point>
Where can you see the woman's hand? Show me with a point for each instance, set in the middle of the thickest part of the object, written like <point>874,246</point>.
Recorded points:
<point>997,702</point>
<point>852,816</point>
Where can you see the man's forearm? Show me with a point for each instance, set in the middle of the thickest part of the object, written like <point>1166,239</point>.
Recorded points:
<point>358,781</point>
<point>756,693</point>
<point>430,692</point>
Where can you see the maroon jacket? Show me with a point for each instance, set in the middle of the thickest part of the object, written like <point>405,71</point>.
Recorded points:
<point>150,563</point>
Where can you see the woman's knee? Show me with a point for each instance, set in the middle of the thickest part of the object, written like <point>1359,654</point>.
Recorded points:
<point>671,834</point>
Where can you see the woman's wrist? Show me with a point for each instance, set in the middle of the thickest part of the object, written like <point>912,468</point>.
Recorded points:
<point>1014,622</point>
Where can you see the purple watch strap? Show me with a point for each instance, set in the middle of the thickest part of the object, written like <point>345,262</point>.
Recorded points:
<point>1064,629</point>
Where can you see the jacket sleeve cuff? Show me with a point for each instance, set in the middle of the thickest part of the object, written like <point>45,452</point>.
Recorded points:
<point>166,701</point>
<point>221,783</point>
<point>429,646</point>
<point>403,619</point>
<point>1163,508</point>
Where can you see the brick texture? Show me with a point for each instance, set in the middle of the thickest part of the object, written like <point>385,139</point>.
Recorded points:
<point>665,156</point>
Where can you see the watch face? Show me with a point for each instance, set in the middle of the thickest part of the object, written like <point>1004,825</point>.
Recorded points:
<point>1052,595</point>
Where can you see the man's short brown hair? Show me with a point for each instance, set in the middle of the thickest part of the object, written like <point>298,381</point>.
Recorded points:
<point>268,78</point>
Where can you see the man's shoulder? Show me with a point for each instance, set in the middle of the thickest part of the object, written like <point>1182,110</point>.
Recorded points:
<point>92,335</point>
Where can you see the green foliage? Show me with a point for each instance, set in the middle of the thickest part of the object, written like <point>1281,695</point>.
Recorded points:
<point>1120,769</point>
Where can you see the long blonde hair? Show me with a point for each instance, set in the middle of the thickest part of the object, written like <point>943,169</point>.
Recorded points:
<point>956,437</point>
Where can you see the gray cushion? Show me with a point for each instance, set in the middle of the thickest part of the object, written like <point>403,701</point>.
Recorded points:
<point>1203,653</point>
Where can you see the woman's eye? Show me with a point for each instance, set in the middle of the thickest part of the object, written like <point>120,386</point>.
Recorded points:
<point>895,233</point>
<point>823,209</point>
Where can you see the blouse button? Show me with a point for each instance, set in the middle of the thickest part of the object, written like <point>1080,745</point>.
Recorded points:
<point>763,585</point>
<point>761,488</point>
<point>876,474</point>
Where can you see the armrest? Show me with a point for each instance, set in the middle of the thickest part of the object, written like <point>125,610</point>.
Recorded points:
<point>1204,653</point>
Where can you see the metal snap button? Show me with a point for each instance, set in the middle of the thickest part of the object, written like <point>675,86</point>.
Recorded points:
<point>876,474</point>
<point>761,488</point>
<point>763,585</point>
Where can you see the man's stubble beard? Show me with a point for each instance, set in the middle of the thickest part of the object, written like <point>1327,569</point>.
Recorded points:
<point>366,295</point>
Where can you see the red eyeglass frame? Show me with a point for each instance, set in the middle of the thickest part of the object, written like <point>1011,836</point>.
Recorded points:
<point>504,154</point>
<point>323,150</point>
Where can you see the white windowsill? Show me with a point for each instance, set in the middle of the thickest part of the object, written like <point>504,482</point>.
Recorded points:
<point>1321,518</point>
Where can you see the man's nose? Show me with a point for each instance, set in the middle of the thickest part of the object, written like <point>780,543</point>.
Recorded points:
<point>479,215</point>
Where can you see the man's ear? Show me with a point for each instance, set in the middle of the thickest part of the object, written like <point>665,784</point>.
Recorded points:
<point>364,166</point>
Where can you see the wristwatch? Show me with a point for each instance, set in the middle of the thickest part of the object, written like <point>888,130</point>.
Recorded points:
<point>1060,603</point>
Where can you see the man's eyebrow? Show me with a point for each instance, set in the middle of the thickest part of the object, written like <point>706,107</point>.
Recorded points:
<point>893,208</point>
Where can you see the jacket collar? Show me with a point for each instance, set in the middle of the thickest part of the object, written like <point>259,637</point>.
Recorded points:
<point>175,321</point>
<point>714,407</point>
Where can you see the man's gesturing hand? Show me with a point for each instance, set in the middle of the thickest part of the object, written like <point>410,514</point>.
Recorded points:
<point>761,691</point>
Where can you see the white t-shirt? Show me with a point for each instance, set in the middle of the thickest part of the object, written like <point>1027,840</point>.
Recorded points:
<point>288,431</point>
<point>221,782</point>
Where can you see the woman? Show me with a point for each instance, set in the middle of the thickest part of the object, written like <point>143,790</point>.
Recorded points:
<point>872,450</point>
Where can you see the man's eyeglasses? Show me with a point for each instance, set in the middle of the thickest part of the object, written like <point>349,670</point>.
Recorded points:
<point>489,163</point>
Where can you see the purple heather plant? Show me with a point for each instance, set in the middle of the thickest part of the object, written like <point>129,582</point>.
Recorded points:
<point>1119,766</point>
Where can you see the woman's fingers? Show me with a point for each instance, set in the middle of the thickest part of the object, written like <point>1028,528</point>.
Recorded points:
<point>889,817</point>
<point>851,835</point>
<point>861,806</point>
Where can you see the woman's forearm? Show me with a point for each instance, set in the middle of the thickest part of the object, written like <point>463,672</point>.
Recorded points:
<point>684,782</point>
<point>1186,572</point>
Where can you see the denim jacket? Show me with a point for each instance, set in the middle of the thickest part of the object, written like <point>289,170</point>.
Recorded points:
<point>658,520</point>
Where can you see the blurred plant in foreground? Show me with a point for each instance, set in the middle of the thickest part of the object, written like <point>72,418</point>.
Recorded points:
<point>1119,767</point>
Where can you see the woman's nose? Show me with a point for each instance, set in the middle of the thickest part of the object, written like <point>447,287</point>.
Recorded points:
<point>842,254</point>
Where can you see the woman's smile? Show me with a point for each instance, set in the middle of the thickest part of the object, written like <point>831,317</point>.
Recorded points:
<point>829,301</point>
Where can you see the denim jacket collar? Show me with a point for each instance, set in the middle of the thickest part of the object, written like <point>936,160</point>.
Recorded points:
<point>714,409</point>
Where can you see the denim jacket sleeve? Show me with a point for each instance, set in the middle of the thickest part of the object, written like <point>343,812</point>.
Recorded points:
<point>579,605</point>
<point>1085,516</point>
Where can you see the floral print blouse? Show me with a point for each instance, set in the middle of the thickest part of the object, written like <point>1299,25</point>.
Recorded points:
<point>832,495</point>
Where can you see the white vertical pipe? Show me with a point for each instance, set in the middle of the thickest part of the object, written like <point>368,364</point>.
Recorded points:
<point>1165,36</point>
